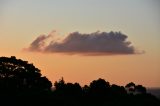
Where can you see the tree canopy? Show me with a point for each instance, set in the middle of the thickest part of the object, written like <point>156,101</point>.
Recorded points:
<point>22,84</point>
<point>16,74</point>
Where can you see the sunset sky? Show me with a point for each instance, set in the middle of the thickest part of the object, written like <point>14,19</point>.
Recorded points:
<point>73,38</point>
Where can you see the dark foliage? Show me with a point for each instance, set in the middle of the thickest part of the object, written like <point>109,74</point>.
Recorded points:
<point>17,75</point>
<point>21,84</point>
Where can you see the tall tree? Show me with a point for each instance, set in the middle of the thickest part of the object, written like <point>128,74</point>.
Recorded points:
<point>16,75</point>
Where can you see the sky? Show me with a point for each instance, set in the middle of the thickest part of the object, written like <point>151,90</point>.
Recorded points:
<point>83,40</point>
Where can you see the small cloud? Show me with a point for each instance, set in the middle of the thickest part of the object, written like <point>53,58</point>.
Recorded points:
<point>96,43</point>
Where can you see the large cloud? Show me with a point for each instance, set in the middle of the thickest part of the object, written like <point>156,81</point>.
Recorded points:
<point>96,43</point>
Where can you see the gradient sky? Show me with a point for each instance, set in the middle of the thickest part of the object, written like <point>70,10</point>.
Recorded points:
<point>22,21</point>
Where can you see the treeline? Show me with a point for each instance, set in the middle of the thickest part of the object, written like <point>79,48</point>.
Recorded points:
<point>21,84</point>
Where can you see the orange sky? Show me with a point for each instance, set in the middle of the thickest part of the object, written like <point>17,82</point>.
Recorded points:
<point>22,22</point>
<point>84,69</point>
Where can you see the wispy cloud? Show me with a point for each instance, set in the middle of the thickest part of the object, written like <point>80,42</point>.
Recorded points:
<point>96,43</point>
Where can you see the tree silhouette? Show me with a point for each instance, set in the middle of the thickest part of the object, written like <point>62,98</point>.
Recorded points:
<point>135,89</point>
<point>99,84</point>
<point>60,85</point>
<point>17,75</point>
<point>21,84</point>
<point>68,89</point>
<point>130,87</point>
<point>86,89</point>
<point>99,88</point>
<point>118,90</point>
<point>140,89</point>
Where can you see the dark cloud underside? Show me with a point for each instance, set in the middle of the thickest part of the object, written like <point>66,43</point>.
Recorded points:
<point>97,43</point>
